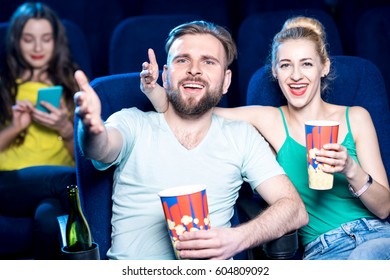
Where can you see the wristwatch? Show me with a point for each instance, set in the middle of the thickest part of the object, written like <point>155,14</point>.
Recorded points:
<point>363,189</point>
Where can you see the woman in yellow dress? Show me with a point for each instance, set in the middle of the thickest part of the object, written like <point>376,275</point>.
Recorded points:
<point>36,148</point>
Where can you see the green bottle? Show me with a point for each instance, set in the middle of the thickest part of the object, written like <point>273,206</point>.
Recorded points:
<point>78,235</point>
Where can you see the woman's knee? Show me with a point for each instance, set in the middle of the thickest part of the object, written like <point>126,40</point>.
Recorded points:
<point>46,214</point>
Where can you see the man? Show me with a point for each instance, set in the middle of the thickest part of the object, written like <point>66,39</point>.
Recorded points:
<point>186,144</point>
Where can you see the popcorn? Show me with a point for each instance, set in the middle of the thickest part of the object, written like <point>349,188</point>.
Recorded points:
<point>180,229</point>
<point>171,224</point>
<point>207,220</point>
<point>312,153</point>
<point>186,220</point>
<point>318,179</point>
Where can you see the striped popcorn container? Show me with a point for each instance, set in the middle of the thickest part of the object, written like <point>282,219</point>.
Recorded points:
<point>185,209</point>
<point>319,133</point>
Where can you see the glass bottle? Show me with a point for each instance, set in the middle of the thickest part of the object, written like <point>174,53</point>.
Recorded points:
<point>78,235</point>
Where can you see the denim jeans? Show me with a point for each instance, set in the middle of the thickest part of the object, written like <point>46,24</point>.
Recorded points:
<point>38,192</point>
<point>361,239</point>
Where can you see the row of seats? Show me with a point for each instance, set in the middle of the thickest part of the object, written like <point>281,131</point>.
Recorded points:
<point>133,36</point>
<point>358,81</point>
<point>98,18</point>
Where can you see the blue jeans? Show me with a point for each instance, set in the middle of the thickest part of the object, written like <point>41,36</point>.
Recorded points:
<point>361,239</point>
<point>38,192</point>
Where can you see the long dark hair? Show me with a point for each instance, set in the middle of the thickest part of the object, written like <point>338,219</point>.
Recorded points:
<point>61,66</point>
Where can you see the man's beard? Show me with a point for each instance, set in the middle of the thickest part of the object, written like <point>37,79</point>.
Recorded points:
<point>192,109</point>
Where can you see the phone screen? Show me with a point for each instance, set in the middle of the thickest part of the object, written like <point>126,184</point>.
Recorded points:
<point>51,95</point>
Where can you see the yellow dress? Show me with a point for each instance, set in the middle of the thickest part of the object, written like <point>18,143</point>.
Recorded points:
<point>42,146</point>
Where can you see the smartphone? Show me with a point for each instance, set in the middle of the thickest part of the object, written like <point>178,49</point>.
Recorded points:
<point>51,95</point>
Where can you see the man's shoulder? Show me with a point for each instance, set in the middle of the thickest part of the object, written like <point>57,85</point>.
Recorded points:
<point>236,131</point>
<point>229,124</point>
<point>134,112</point>
<point>133,118</point>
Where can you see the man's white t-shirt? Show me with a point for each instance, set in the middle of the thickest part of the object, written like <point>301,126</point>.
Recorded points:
<point>152,160</point>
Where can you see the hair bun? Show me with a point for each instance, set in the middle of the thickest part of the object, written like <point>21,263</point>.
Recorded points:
<point>305,22</point>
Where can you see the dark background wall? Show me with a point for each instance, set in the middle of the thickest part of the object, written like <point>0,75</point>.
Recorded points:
<point>98,18</point>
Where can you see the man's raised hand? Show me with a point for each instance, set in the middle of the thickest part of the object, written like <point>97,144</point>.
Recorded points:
<point>88,106</point>
<point>149,73</point>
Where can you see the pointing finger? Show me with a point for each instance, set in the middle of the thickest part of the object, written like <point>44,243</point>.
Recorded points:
<point>82,81</point>
<point>152,57</point>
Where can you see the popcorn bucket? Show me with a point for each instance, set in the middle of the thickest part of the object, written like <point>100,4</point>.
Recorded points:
<point>319,133</point>
<point>185,209</point>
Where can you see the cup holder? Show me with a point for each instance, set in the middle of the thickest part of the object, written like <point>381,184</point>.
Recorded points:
<point>92,254</point>
<point>284,247</point>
